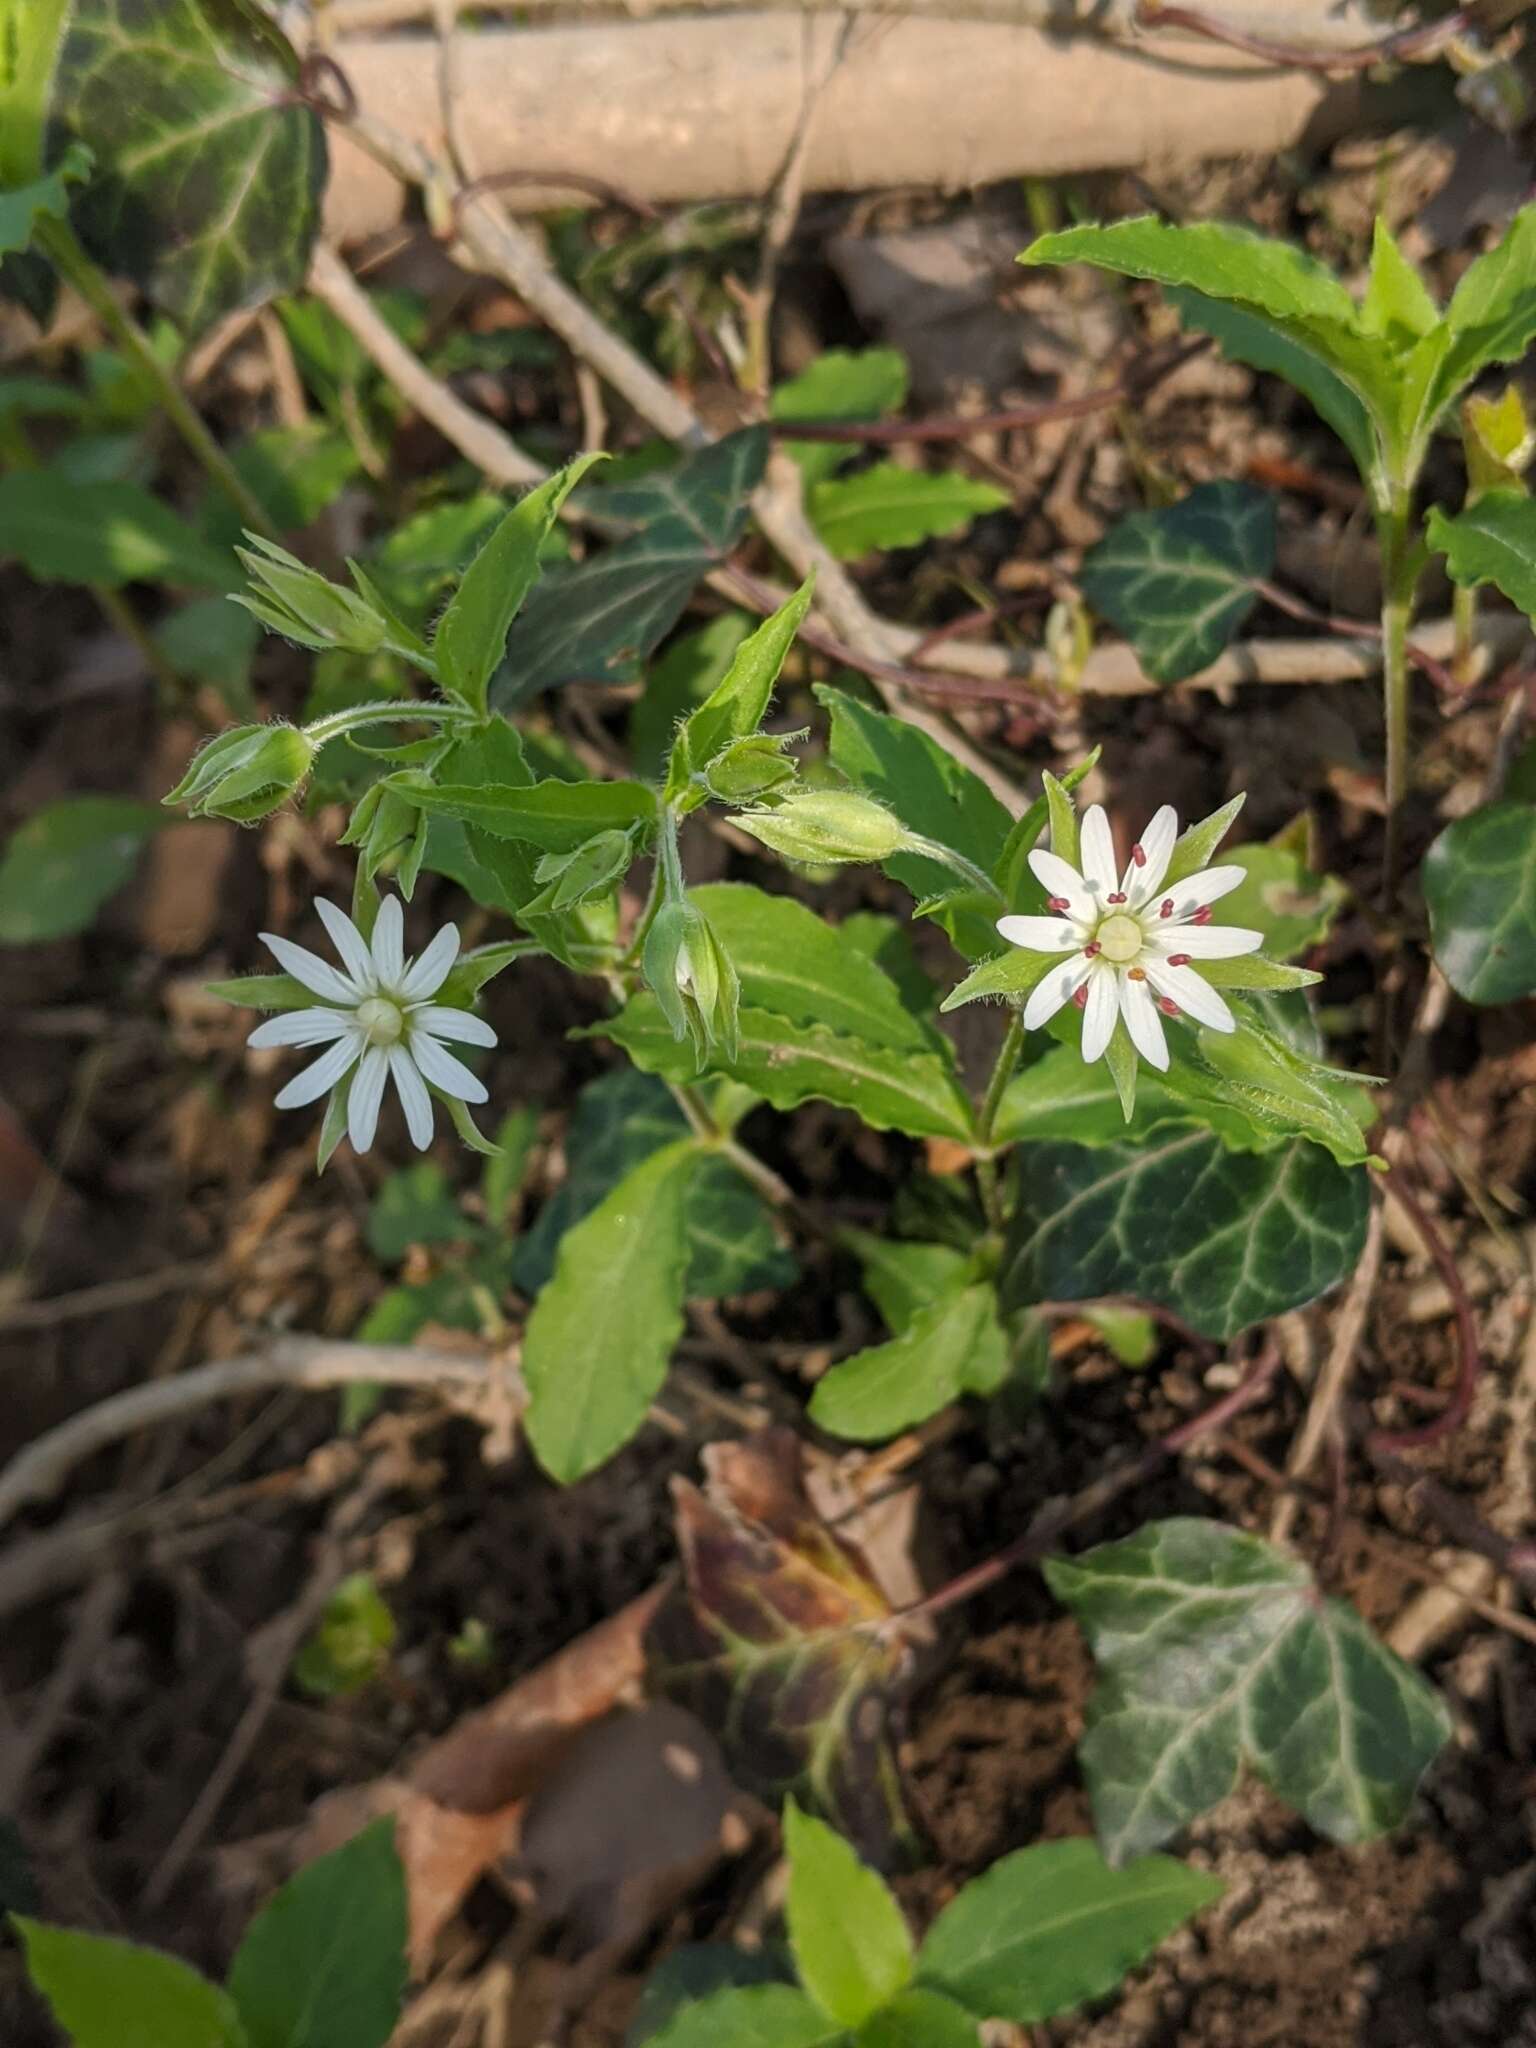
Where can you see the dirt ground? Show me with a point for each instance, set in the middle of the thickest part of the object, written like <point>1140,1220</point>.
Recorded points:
<point>147,1728</point>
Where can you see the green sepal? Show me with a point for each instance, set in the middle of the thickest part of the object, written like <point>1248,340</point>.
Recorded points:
<point>264,992</point>
<point>1192,850</point>
<point>1012,973</point>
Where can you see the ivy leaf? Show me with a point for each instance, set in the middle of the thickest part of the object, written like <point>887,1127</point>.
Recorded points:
<point>1493,540</point>
<point>787,1063</point>
<point>842,384</point>
<point>471,636</point>
<point>850,1942</point>
<point>1048,1928</point>
<point>323,1966</point>
<point>739,702</point>
<point>1179,582</point>
<point>1480,884</point>
<point>600,1337</point>
<point>113,1994</point>
<point>208,165</point>
<point>1059,1096</point>
<point>66,861</point>
<point>782,1642</point>
<point>755,2016</point>
<point>919,2019</point>
<point>951,1347</point>
<point>1225,1239</point>
<point>1214,1650</point>
<point>889,506</point>
<point>108,532</point>
<point>597,620</point>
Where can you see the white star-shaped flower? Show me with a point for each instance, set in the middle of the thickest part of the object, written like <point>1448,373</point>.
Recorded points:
<point>378,1017</point>
<point>1134,943</point>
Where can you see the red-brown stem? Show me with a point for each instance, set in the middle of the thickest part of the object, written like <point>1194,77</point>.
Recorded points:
<point>1350,629</point>
<point>1408,42</point>
<point>1054,1521</point>
<point>1469,1356</point>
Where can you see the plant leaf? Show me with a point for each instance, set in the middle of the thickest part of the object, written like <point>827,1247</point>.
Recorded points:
<point>1050,1927</point>
<point>841,384</point>
<point>1294,908</point>
<point>1179,582</point>
<point>952,1346</point>
<point>416,1205</point>
<point>471,636</point>
<point>789,1063</point>
<point>66,861</point>
<point>1224,1239</point>
<point>554,815</point>
<point>323,1965</point>
<point>739,702</point>
<point>889,506</point>
<point>1491,317</point>
<point>208,165</point>
<point>67,531</point>
<point>597,620</point>
<point>902,1277</point>
<point>113,1994</point>
<point>688,1976</point>
<point>919,2019</point>
<point>755,2016</point>
<point>679,680</point>
<point>21,206</point>
<point>1480,884</point>
<point>600,1337</point>
<point>850,1942</point>
<point>1215,1649</point>
<point>782,1642</point>
<point>1492,540</point>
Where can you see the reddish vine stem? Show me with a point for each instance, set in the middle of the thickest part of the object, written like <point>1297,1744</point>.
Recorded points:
<point>1422,41</point>
<point>1469,1356</point>
<point>1350,629</point>
<point>1054,1521</point>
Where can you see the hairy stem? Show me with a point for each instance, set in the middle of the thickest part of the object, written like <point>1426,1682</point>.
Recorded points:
<point>1464,621</point>
<point>1400,562</point>
<point>986,1118</point>
<point>58,241</point>
<point>403,711</point>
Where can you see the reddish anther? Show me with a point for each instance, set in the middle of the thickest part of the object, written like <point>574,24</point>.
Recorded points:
<point>1139,855</point>
<point>1058,903</point>
<point>1202,915</point>
<point>1081,998</point>
<point>1091,949</point>
<point>1117,897</point>
<point>1168,1006</point>
<point>1179,959</point>
<point>1166,909</point>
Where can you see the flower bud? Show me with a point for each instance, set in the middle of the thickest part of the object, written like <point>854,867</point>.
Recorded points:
<point>301,604</point>
<point>749,768</point>
<point>392,834</point>
<point>571,879</point>
<point>692,978</point>
<point>819,826</point>
<point>245,774</point>
<point>1497,440</point>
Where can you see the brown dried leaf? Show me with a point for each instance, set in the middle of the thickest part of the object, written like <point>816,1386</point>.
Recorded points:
<point>783,1644</point>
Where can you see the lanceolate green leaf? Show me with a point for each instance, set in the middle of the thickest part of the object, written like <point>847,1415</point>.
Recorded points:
<point>66,861</point>
<point>841,384</point>
<point>1224,1239</point>
<point>111,1994</point>
<point>850,1942</point>
<point>553,815</point>
<point>209,166</point>
<point>919,2018</point>
<point>472,633</point>
<point>953,1346</point>
<point>323,1966</point>
<point>739,703</point>
<point>1480,883</point>
<point>1179,582</point>
<point>892,507</point>
<point>601,1334</point>
<point>1493,541</point>
<point>1282,898</point>
<point>902,1276</point>
<point>756,2016</point>
<point>1048,1928</point>
<point>1214,1650</point>
<point>107,532</point>
<point>789,1063</point>
<point>1491,317</point>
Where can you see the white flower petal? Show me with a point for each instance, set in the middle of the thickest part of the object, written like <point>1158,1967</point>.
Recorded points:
<point>1099,1013</point>
<point>389,943</point>
<point>1143,880</point>
<point>1143,1023</point>
<point>322,1073</point>
<point>367,1094</point>
<point>1195,892</point>
<point>349,943</point>
<point>414,1099</point>
<point>444,1071</point>
<point>301,1027</point>
<point>431,970</point>
<point>1058,987</point>
<point>1040,934</point>
<point>1195,997</point>
<point>1059,878</point>
<point>1207,941</point>
<point>459,1024</point>
<point>1098,852</point>
<point>315,973</point>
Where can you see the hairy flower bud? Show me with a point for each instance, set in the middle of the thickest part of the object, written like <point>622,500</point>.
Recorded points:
<point>391,833</point>
<point>819,826</point>
<point>749,768</point>
<point>301,604</point>
<point>692,978</point>
<point>245,774</point>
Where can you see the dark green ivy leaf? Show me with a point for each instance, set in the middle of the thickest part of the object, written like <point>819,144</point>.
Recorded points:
<point>1480,883</point>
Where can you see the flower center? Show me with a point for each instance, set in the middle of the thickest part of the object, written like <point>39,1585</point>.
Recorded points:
<point>381,1021</point>
<point>1120,938</point>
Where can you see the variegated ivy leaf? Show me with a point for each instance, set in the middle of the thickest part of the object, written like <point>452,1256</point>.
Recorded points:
<point>782,1642</point>
<point>1216,1650</point>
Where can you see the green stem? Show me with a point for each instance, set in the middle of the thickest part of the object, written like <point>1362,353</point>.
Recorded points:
<point>986,1118</point>
<point>1464,645</point>
<point>666,879</point>
<point>1400,563</point>
<point>935,850</point>
<point>402,712</point>
<point>58,241</point>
